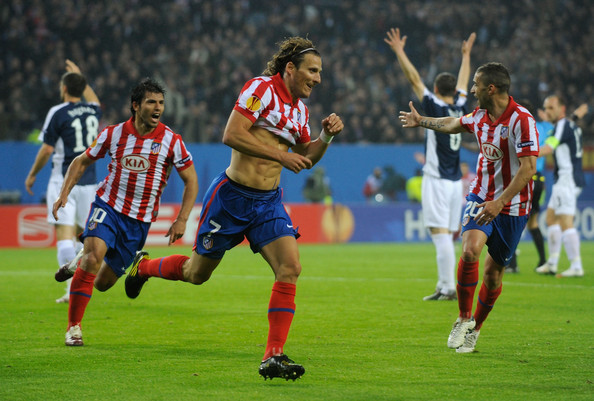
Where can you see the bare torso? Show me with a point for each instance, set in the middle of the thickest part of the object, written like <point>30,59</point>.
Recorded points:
<point>255,172</point>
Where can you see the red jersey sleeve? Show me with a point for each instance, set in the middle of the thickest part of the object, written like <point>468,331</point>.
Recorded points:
<point>527,134</point>
<point>100,145</point>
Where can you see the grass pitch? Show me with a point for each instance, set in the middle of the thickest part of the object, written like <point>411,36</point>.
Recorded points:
<point>361,330</point>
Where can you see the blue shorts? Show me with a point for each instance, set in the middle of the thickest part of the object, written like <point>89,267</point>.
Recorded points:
<point>232,212</point>
<point>122,234</point>
<point>503,233</point>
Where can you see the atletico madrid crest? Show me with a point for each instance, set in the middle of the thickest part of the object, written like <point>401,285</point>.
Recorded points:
<point>465,220</point>
<point>155,148</point>
<point>207,242</point>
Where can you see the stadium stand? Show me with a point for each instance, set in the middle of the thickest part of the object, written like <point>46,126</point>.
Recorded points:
<point>203,51</point>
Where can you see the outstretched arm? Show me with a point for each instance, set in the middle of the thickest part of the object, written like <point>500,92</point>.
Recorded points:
<point>464,73</point>
<point>447,125</point>
<point>397,44</point>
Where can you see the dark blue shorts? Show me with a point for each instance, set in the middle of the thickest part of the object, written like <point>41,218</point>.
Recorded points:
<point>232,212</point>
<point>122,234</point>
<point>503,233</point>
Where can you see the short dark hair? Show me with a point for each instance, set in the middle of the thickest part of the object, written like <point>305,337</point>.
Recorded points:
<point>75,83</point>
<point>446,84</point>
<point>139,91</point>
<point>291,49</point>
<point>495,74</point>
<point>560,98</point>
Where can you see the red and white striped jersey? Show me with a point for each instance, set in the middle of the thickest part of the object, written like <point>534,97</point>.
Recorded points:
<point>268,104</point>
<point>502,143</point>
<point>139,167</point>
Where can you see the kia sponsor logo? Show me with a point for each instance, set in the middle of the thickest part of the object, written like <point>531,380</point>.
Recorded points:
<point>135,163</point>
<point>491,152</point>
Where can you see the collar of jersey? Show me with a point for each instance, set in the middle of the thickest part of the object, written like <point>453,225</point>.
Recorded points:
<point>130,128</point>
<point>511,106</point>
<point>281,89</point>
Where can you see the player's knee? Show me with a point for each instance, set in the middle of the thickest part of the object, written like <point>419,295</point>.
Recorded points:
<point>288,272</point>
<point>470,255</point>
<point>92,261</point>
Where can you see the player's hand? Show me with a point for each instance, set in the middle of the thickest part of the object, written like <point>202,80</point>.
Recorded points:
<point>581,111</point>
<point>332,125</point>
<point>176,231</point>
<point>395,41</point>
<point>489,211</point>
<point>295,162</point>
<point>60,202</point>
<point>29,183</point>
<point>71,67</point>
<point>467,44</point>
<point>410,119</point>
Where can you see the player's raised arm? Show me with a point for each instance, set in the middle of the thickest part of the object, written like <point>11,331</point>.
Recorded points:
<point>464,72</point>
<point>89,94</point>
<point>397,44</point>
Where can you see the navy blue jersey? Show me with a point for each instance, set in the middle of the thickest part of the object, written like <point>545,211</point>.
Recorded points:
<point>568,145</point>
<point>442,151</point>
<point>70,128</point>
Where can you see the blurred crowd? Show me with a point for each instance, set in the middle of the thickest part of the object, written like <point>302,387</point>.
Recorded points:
<point>203,51</point>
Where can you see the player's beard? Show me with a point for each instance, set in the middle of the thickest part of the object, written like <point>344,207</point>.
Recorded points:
<point>484,103</point>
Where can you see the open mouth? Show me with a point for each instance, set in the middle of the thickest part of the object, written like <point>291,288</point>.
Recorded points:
<point>155,117</point>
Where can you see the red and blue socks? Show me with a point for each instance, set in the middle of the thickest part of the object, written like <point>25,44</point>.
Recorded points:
<point>81,290</point>
<point>486,300</point>
<point>468,275</point>
<point>280,316</point>
<point>169,268</point>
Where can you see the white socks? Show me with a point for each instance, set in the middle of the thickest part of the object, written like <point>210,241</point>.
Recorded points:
<point>554,240</point>
<point>66,252</point>
<point>446,262</point>
<point>571,241</point>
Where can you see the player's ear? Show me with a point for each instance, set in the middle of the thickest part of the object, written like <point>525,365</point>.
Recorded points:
<point>290,67</point>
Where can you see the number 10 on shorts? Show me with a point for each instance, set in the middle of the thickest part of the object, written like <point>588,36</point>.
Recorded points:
<point>96,218</point>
